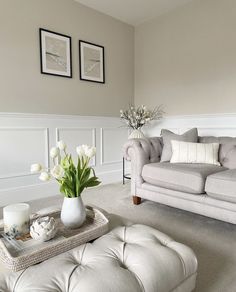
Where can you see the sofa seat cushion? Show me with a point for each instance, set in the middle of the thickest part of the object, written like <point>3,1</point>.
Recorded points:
<point>222,185</point>
<point>184,177</point>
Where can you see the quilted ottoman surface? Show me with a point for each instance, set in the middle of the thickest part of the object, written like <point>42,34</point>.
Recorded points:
<point>127,259</point>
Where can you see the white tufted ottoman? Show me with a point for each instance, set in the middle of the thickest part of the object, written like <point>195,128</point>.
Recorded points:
<point>128,259</point>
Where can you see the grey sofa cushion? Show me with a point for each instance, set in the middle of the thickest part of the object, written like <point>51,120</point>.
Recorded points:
<point>167,136</point>
<point>222,185</point>
<point>189,178</point>
<point>227,155</point>
<point>227,151</point>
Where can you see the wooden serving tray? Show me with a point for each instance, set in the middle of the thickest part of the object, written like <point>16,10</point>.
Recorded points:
<point>33,252</point>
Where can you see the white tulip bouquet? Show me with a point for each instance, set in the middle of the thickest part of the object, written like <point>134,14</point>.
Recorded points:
<point>73,179</point>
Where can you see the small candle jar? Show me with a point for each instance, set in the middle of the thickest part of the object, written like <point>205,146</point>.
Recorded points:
<point>16,219</point>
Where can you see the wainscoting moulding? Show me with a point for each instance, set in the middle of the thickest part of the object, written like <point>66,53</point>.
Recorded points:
<point>18,184</point>
<point>207,124</point>
<point>23,186</point>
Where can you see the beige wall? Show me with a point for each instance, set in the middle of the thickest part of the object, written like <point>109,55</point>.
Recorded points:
<point>186,59</point>
<point>24,89</point>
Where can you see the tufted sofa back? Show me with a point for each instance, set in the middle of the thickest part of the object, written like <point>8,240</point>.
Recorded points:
<point>156,145</point>
<point>227,151</point>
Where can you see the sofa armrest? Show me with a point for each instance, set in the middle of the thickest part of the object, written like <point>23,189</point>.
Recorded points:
<point>141,152</point>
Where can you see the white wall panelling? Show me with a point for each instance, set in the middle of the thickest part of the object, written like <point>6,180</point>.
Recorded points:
<point>22,146</point>
<point>27,138</point>
<point>215,125</point>
<point>112,152</point>
<point>77,136</point>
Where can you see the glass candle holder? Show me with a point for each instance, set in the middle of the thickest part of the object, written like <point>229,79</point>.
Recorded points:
<point>16,219</point>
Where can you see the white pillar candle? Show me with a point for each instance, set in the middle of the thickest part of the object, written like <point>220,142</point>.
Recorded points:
<point>16,219</point>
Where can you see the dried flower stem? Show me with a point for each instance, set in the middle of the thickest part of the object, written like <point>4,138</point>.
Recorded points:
<point>137,118</point>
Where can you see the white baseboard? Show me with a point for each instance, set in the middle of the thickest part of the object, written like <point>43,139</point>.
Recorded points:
<point>110,176</point>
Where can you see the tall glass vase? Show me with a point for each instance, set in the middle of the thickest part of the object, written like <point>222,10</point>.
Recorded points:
<point>73,213</point>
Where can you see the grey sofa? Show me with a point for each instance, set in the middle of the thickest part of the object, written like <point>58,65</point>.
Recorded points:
<point>205,189</point>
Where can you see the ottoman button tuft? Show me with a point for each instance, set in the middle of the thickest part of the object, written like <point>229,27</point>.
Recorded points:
<point>151,261</point>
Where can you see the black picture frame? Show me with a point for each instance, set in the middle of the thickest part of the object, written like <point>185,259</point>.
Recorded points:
<point>57,62</point>
<point>100,59</point>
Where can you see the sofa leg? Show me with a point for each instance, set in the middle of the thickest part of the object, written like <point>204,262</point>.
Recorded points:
<point>136,200</point>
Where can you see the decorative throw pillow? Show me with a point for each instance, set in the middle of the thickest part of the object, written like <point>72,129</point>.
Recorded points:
<point>185,152</point>
<point>227,155</point>
<point>167,136</point>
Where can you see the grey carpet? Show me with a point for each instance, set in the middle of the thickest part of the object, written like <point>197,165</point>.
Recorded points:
<point>214,242</point>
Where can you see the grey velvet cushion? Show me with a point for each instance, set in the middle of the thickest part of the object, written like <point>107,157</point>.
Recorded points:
<point>168,136</point>
<point>222,185</point>
<point>184,177</point>
<point>227,151</point>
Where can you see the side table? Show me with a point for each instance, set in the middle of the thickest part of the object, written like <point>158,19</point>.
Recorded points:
<point>125,176</point>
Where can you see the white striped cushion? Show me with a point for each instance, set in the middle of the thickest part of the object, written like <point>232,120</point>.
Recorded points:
<point>186,152</point>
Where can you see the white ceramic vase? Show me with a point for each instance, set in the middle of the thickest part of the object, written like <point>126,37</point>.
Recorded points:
<point>137,133</point>
<point>73,212</point>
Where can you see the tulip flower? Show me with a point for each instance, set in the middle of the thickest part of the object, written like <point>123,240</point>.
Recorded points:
<point>54,152</point>
<point>36,167</point>
<point>44,176</point>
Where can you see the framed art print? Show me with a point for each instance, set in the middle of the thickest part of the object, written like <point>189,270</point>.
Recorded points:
<point>55,53</point>
<point>91,62</point>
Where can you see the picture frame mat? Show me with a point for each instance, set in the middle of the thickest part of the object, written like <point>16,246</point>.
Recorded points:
<point>57,36</point>
<point>83,76</point>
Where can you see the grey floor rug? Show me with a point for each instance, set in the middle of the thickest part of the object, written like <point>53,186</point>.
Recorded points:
<point>214,242</point>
